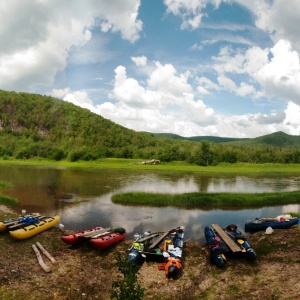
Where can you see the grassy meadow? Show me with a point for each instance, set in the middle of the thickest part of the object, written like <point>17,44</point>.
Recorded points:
<point>175,166</point>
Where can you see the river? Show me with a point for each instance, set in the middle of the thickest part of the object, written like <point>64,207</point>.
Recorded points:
<point>82,198</point>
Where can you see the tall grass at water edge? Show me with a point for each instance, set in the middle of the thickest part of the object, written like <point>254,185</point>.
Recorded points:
<point>202,200</point>
<point>5,200</point>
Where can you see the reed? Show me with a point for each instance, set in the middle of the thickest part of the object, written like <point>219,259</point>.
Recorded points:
<point>208,200</point>
<point>5,185</point>
<point>5,200</point>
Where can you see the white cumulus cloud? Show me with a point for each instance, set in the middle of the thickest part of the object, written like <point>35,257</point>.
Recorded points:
<point>36,36</point>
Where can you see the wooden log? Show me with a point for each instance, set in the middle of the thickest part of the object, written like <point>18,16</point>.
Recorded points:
<point>230,243</point>
<point>40,259</point>
<point>156,242</point>
<point>46,252</point>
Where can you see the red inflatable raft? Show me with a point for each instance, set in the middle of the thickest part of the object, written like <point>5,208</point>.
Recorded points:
<point>82,235</point>
<point>103,241</point>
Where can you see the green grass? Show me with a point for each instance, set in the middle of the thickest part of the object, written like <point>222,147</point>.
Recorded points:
<point>176,166</point>
<point>5,185</point>
<point>207,200</point>
<point>266,246</point>
<point>5,200</point>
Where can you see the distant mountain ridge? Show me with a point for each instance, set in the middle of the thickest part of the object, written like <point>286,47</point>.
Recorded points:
<point>277,139</point>
<point>214,139</point>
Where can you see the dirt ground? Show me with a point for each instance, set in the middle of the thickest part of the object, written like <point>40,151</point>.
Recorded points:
<point>87,273</point>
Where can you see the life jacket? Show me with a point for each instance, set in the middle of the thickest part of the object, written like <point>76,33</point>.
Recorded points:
<point>172,267</point>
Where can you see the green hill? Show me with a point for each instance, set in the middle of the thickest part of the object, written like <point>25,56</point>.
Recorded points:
<point>41,126</point>
<point>277,139</point>
<point>35,125</point>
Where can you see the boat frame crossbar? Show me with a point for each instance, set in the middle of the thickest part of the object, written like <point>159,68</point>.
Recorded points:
<point>95,233</point>
<point>18,224</point>
<point>157,241</point>
<point>147,238</point>
<point>229,242</point>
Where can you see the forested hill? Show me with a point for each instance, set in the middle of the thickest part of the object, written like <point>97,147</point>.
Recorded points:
<point>41,126</point>
<point>34,125</point>
<point>276,139</point>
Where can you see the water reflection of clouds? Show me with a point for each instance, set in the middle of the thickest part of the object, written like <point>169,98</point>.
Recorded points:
<point>239,184</point>
<point>133,218</point>
<point>138,219</point>
<point>157,185</point>
<point>245,184</point>
<point>295,208</point>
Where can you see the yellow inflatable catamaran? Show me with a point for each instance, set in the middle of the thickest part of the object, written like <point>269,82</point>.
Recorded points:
<point>33,229</point>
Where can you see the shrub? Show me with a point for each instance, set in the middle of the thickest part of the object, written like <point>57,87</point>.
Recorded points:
<point>127,287</point>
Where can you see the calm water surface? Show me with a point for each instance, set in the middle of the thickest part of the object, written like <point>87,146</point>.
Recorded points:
<point>82,198</point>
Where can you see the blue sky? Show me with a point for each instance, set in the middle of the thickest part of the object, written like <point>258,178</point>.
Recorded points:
<point>191,67</point>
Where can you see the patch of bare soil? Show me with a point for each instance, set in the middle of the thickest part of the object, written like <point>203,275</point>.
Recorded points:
<point>87,273</point>
<point>6,209</point>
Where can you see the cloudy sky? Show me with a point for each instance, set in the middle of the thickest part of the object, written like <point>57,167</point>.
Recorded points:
<point>191,67</point>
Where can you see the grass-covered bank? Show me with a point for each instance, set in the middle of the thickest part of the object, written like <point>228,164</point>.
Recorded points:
<point>175,166</point>
<point>207,200</point>
<point>5,200</point>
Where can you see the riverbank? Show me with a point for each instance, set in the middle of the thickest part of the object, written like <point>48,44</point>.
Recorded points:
<point>175,166</point>
<point>87,273</point>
